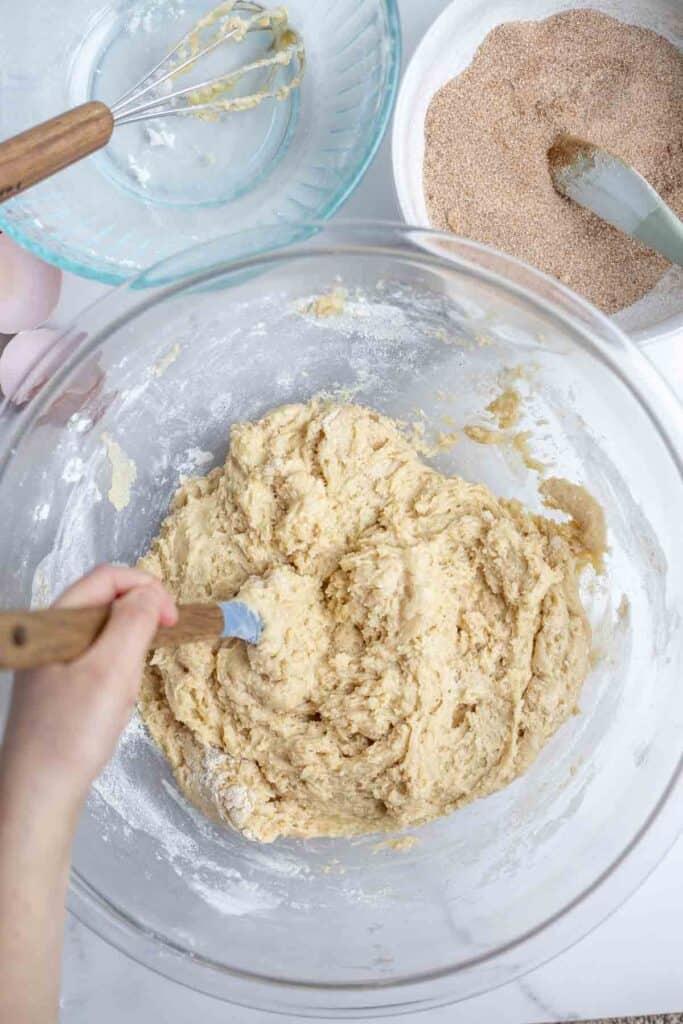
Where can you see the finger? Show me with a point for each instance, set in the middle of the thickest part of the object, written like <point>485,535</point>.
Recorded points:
<point>126,638</point>
<point>169,610</point>
<point>102,585</point>
<point>107,582</point>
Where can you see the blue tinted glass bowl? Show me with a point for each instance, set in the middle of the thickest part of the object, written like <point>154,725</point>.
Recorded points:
<point>289,162</point>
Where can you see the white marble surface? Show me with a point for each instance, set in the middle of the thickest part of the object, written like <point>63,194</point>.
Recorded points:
<point>629,965</point>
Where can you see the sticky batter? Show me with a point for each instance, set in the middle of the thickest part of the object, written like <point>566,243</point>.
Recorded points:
<point>124,473</point>
<point>423,639</point>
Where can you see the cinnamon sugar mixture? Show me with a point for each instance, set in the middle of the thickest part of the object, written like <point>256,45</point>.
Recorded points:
<point>488,131</point>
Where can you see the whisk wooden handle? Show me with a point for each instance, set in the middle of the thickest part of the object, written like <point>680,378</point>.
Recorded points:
<point>30,639</point>
<point>40,152</point>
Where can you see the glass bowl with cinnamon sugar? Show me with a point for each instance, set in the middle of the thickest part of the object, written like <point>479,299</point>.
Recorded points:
<point>487,92</point>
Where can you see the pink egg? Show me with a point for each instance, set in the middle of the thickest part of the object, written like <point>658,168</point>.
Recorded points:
<point>29,359</point>
<point>86,391</point>
<point>29,288</point>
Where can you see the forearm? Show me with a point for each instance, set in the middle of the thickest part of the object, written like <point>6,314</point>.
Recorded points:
<point>37,823</point>
<point>63,725</point>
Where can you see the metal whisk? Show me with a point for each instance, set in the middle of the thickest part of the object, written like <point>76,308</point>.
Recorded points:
<point>40,152</point>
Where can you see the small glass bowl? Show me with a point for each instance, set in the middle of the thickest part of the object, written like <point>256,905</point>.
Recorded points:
<point>137,202</point>
<point>430,323</point>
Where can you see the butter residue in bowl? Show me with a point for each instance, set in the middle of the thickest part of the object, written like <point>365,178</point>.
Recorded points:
<point>329,304</point>
<point>506,408</point>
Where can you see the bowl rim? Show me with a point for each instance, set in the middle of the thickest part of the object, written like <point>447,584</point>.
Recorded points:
<point>402,131</point>
<point>655,835</point>
<point>80,266</point>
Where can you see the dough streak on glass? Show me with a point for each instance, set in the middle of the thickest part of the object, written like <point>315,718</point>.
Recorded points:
<point>423,638</point>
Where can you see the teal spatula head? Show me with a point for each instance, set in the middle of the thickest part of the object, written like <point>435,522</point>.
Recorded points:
<point>616,192</point>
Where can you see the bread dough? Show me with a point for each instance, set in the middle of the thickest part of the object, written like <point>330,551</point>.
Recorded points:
<point>506,408</point>
<point>423,639</point>
<point>124,473</point>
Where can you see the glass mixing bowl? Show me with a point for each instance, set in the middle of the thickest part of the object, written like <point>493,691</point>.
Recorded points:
<point>357,927</point>
<point>136,202</point>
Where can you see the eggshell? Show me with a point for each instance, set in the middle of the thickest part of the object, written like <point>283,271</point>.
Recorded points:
<point>29,359</point>
<point>29,288</point>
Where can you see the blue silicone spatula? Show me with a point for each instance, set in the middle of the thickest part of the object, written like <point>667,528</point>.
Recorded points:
<point>616,192</point>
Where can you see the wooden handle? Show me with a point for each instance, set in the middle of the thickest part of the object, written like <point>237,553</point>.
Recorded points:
<point>40,152</point>
<point>31,639</point>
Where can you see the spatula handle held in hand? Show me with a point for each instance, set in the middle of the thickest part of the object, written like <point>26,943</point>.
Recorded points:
<point>31,639</point>
<point>40,152</point>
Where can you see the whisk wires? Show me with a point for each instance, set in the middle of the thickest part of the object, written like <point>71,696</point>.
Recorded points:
<point>232,21</point>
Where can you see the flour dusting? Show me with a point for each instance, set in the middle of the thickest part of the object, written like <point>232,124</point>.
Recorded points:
<point>184,848</point>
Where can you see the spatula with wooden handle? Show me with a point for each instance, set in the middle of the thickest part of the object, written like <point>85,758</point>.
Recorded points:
<point>30,639</point>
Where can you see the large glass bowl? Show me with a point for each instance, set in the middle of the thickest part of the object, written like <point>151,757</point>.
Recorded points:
<point>354,927</point>
<point>137,202</point>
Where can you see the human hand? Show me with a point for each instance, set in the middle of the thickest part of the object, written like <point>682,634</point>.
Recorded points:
<point>65,720</point>
<point>63,725</point>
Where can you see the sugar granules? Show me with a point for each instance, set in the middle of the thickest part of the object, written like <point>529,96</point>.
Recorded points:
<point>488,131</point>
